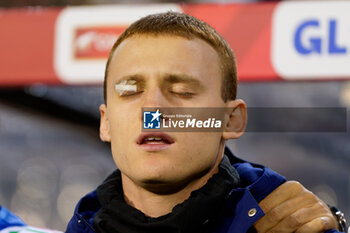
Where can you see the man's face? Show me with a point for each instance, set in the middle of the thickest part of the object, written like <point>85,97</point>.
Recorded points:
<point>169,71</point>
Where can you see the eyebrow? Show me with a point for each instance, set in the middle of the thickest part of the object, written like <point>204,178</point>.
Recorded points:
<point>135,77</point>
<point>182,78</point>
<point>168,78</point>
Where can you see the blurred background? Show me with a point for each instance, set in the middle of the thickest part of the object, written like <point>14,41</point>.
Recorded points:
<point>21,3</point>
<point>50,150</point>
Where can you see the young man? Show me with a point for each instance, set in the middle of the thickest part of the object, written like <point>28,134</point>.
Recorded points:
<point>184,181</point>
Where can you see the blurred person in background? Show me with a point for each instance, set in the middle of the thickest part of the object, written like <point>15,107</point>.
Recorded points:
<point>185,182</point>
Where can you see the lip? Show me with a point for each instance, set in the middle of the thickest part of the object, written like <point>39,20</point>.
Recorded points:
<point>154,147</point>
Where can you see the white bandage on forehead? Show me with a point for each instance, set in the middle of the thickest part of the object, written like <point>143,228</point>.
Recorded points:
<point>126,86</point>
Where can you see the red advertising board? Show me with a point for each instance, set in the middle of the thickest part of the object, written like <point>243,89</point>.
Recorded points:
<point>95,42</point>
<point>27,46</point>
<point>70,45</point>
<point>247,28</point>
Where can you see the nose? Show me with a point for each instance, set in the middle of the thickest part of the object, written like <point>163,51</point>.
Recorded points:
<point>154,98</point>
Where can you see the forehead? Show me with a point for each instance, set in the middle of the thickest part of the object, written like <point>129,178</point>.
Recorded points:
<point>149,55</point>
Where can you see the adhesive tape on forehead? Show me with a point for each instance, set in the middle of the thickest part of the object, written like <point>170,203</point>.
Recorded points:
<point>125,86</point>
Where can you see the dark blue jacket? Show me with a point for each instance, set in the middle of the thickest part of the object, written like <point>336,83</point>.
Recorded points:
<point>257,182</point>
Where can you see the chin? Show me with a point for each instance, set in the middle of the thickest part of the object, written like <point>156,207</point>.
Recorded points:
<point>156,174</point>
<point>159,172</point>
<point>166,184</point>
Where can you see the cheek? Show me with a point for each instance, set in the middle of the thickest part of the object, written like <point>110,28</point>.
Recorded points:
<point>200,146</point>
<point>125,128</point>
<point>123,122</point>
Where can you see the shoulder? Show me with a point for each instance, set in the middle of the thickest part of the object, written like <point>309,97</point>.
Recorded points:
<point>85,210</point>
<point>258,179</point>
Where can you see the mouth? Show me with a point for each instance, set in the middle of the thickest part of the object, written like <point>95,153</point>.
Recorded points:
<point>154,141</point>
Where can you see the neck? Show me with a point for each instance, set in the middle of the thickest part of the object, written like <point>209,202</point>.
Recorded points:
<point>155,204</point>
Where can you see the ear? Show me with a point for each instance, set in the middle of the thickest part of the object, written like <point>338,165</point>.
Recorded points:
<point>237,119</point>
<point>104,124</point>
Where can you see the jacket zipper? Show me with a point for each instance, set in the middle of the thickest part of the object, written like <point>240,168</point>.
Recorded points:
<point>83,219</point>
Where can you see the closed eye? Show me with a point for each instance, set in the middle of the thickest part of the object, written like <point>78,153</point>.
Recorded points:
<point>183,94</point>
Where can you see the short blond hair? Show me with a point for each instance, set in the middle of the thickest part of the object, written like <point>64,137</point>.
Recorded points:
<point>183,25</point>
